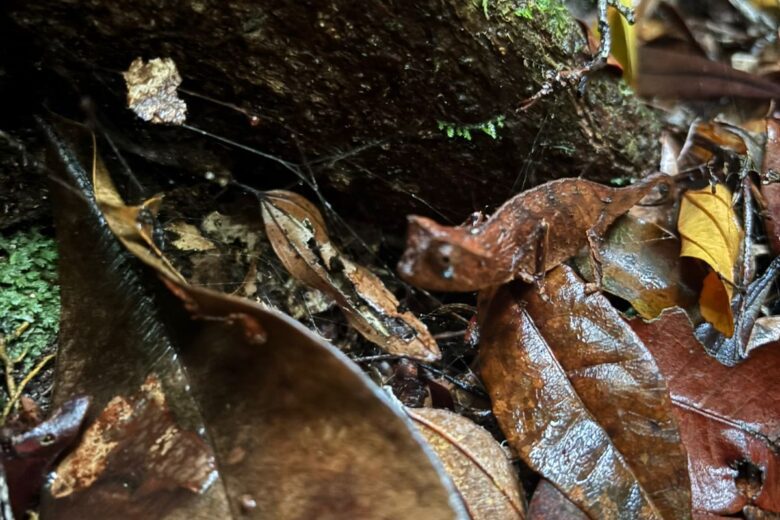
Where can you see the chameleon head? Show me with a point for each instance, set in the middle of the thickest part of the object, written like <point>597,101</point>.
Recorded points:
<point>440,258</point>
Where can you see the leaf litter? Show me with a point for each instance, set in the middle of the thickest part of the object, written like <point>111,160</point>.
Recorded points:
<point>585,403</point>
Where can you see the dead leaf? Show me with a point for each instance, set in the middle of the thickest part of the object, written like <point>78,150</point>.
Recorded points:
<point>300,239</point>
<point>189,237</point>
<point>132,461</point>
<point>151,91</point>
<point>550,504</point>
<point>582,402</point>
<point>728,417</point>
<point>28,455</point>
<point>709,230</point>
<point>640,263</point>
<point>770,188</point>
<point>478,466</point>
<point>683,75</point>
<point>527,236</point>
<point>252,382</point>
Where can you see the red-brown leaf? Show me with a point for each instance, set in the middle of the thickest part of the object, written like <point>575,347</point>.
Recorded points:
<point>729,417</point>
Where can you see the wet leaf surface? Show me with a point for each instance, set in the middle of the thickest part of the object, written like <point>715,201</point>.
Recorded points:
<point>579,397</point>
<point>770,189</point>
<point>640,263</point>
<point>291,422</point>
<point>709,231</point>
<point>299,237</point>
<point>527,236</point>
<point>478,466</point>
<point>729,417</point>
<point>548,503</point>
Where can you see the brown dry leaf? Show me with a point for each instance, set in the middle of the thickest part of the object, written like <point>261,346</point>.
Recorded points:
<point>550,504</point>
<point>130,458</point>
<point>770,188</point>
<point>151,91</point>
<point>527,236</point>
<point>729,417</point>
<point>582,402</point>
<point>300,239</point>
<point>640,263</point>
<point>478,466</point>
<point>297,430</point>
<point>709,230</point>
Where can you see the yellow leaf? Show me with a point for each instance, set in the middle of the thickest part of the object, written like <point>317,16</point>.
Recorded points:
<point>715,304</point>
<point>623,42</point>
<point>709,230</point>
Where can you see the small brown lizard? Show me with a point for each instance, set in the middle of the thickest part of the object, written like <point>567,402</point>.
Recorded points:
<point>527,236</point>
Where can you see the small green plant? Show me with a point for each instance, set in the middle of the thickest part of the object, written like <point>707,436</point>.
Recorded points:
<point>29,300</point>
<point>488,127</point>
<point>553,13</point>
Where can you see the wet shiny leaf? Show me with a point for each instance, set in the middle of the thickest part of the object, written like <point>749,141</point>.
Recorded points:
<point>527,236</point>
<point>728,417</point>
<point>299,237</point>
<point>581,400</point>
<point>548,503</point>
<point>709,230</point>
<point>478,466</point>
<point>640,263</point>
<point>296,429</point>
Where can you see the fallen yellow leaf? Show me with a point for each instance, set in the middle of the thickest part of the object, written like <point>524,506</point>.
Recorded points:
<point>709,230</point>
<point>624,42</point>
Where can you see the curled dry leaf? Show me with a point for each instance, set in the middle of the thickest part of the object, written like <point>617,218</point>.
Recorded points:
<point>729,417</point>
<point>300,239</point>
<point>151,91</point>
<point>770,188</point>
<point>709,230</point>
<point>131,459</point>
<point>550,504</point>
<point>478,466</point>
<point>28,455</point>
<point>296,429</point>
<point>640,263</point>
<point>530,234</point>
<point>581,400</point>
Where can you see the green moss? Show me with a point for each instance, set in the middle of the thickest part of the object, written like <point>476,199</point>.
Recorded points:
<point>489,128</point>
<point>553,14</point>
<point>29,295</point>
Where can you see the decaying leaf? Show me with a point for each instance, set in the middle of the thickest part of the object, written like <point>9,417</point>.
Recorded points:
<point>729,417</point>
<point>478,466</point>
<point>709,230</point>
<point>296,429</point>
<point>298,234</point>
<point>581,400</point>
<point>770,188</point>
<point>189,237</point>
<point>28,455</point>
<point>530,234</point>
<point>132,460</point>
<point>640,263</point>
<point>151,91</point>
<point>550,504</point>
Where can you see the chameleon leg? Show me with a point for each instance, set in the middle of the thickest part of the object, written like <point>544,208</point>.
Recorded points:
<point>540,251</point>
<point>595,239</point>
